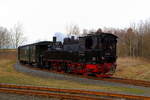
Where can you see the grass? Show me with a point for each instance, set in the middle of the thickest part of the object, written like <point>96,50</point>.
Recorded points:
<point>133,68</point>
<point>9,75</point>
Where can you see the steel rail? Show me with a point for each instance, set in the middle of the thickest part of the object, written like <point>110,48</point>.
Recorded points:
<point>111,79</point>
<point>47,94</point>
<point>122,80</point>
<point>130,81</point>
<point>70,91</point>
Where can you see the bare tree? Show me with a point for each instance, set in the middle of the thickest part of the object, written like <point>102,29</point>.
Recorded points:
<point>99,30</point>
<point>144,33</point>
<point>17,35</point>
<point>73,29</point>
<point>5,39</point>
<point>85,32</point>
<point>92,31</point>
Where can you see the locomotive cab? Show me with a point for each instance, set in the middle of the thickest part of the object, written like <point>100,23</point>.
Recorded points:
<point>88,43</point>
<point>100,53</point>
<point>100,48</point>
<point>109,48</point>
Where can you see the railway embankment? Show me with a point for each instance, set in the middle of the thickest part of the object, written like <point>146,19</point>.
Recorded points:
<point>98,85</point>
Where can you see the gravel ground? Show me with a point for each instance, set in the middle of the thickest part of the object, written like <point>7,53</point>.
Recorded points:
<point>56,76</point>
<point>4,96</point>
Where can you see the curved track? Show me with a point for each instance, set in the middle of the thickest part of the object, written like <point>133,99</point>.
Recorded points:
<point>112,79</point>
<point>122,80</point>
<point>66,93</point>
<point>129,81</point>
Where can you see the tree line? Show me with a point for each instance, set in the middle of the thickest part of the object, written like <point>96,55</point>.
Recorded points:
<point>11,38</point>
<point>132,42</point>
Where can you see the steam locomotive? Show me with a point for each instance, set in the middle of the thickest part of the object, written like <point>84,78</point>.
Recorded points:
<point>92,54</point>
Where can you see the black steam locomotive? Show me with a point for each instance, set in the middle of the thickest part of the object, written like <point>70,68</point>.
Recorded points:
<point>93,54</point>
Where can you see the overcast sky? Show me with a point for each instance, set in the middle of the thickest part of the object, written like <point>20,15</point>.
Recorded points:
<point>42,18</point>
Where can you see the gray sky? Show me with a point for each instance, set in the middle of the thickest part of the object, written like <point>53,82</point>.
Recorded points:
<point>42,18</point>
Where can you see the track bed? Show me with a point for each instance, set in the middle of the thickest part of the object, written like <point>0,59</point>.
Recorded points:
<point>37,72</point>
<point>66,93</point>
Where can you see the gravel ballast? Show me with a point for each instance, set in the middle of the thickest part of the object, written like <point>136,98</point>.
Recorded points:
<point>44,74</point>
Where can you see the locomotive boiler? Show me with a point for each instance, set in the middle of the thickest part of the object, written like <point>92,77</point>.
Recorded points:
<point>93,54</point>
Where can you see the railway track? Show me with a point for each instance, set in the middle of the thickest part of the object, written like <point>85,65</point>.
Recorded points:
<point>112,79</point>
<point>70,94</point>
<point>122,80</point>
<point>129,81</point>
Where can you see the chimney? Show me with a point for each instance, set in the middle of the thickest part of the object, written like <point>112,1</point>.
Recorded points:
<point>54,39</point>
<point>72,37</point>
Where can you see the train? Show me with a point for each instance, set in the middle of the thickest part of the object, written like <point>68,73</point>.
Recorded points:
<point>89,55</point>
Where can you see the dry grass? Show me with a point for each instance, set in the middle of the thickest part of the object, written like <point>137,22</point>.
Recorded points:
<point>133,68</point>
<point>9,75</point>
<point>8,54</point>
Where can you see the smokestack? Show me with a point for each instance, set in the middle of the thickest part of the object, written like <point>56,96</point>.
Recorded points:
<point>54,39</point>
<point>72,37</point>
